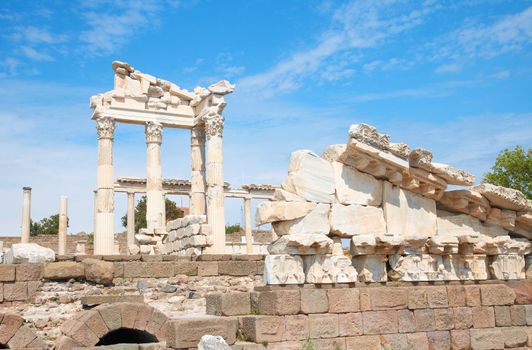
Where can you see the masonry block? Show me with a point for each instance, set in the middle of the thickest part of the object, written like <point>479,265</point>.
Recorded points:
<point>237,268</point>
<point>497,294</point>
<point>518,315</point>
<point>278,302</point>
<point>483,317</point>
<point>64,270</point>
<point>343,300</point>
<point>186,332</point>
<point>528,311</point>
<point>406,321</point>
<point>418,341</point>
<point>456,296</point>
<point>424,320</point>
<point>487,338</point>
<point>388,298</point>
<point>263,328</point>
<point>326,344</point>
<point>514,336</point>
<point>189,268</point>
<point>228,304</point>
<point>296,327</point>
<point>502,316</point>
<point>207,268</point>
<point>365,300</point>
<point>366,342</point>
<point>394,341</point>
<point>380,322</point>
<point>460,339</point>
<point>7,272</point>
<point>463,317</point>
<point>95,322</point>
<point>417,298</point>
<point>9,325</point>
<point>323,325</point>
<point>22,338</point>
<point>29,272</point>
<point>439,340</point>
<point>17,291</point>
<point>443,319</point>
<point>350,324</point>
<point>314,301</point>
<point>472,295</point>
<point>437,297</point>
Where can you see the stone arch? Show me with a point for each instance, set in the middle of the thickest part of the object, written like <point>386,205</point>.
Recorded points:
<point>98,326</point>
<point>14,334</point>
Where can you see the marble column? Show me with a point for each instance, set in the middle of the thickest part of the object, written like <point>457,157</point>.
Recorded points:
<point>104,234</point>
<point>155,206</point>
<point>215,182</point>
<point>247,224</point>
<point>130,219</point>
<point>63,224</point>
<point>26,215</point>
<point>197,182</point>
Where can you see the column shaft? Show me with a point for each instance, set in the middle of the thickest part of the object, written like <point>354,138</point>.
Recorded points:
<point>63,224</point>
<point>26,215</point>
<point>155,205</point>
<point>197,182</point>
<point>130,219</point>
<point>104,230</point>
<point>247,218</point>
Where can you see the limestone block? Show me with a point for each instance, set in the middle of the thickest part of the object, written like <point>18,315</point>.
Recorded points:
<point>371,268</point>
<point>193,219</point>
<point>355,187</point>
<point>315,222</point>
<point>423,267</point>
<point>507,267</point>
<point>363,244</point>
<point>302,244</point>
<point>468,267</point>
<point>420,158</point>
<point>523,224</point>
<point>283,269</point>
<point>28,252</point>
<point>442,245</point>
<point>213,342</point>
<point>187,331</point>
<point>408,214</point>
<point>99,271</point>
<point>369,135</point>
<point>502,217</point>
<point>354,220</point>
<point>449,224</point>
<point>452,175</point>
<point>64,270</point>
<point>423,182</point>
<point>465,201</point>
<point>284,196</point>
<point>310,177</point>
<point>400,150</point>
<point>269,211</point>
<point>502,197</point>
<point>329,269</point>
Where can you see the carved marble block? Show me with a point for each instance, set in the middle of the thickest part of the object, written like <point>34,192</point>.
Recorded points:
<point>329,269</point>
<point>283,269</point>
<point>371,268</point>
<point>507,267</point>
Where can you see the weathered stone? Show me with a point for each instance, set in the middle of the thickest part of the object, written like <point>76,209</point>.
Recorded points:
<point>406,321</point>
<point>408,214</point>
<point>463,317</point>
<point>465,201</point>
<point>363,245</point>
<point>91,300</point>
<point>423,267</point>
<point>523,224</point>
<point>296,327</point>
<point>483,317</point>
<point>439,340</point>
<point>508,267</point>
<point>418,341</point>
<point>29,272</point>
<point>7,273</point>
<point>186,332</point>
<point>502,197</point>
<point>63,270</point>
<point>9,325</point>
<point>354,187</point>
<point>329,269</point>
<point>460,340</point>
<point>366,342</point>
<point>212,342</point>
<point>502,217</point>
<point>443,319</point>
<point>350,324</point>
<point>228,304</point>
<point>314,301</point>
<point>277,302</point>
<point>518,315</point>
<point>281,195</point>
<point>263,328</point>
<point>310,177</point>
<point>485,339</point>
<point>456,295</point>
<point>17,291</point>
<point>22,338</point>
<point>353,220</point>
<point>343,300</point>
<point>99,271</point>
<point>380,322</point>
<point>369,135</point>
<point>302,244</point>
<point>315,222</point>
<point>417,298</point>
<point>424,319</point>
<point>385,298</point>
<point>452,175</point>
<point>28,253</point>
<point>371,268</point>
<point>323,325</point>
<point>269,211</point>
<point>437,296</point>
<point>283,269</point>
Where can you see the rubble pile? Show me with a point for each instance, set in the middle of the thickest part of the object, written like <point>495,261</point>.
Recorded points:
<point>188,236</point>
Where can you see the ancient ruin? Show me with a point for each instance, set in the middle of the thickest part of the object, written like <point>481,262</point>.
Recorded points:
<point>372,248</point>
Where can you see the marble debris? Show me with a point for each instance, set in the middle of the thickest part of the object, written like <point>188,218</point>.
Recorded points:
<point>302,244</point>
<point>314,222</point>
<point>503,197</point>
<point>329,269</point>
<point>371,268</point>
<point>268,212</point>
<point>355,187</point>
<point>353,220</point>
<point>283,269</point>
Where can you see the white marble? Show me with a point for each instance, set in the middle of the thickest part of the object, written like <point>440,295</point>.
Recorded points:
<point>354,220</point>
<point>315,222</point>
<point>283,269</point>
<point>355,187</point>
<point>329,269</point>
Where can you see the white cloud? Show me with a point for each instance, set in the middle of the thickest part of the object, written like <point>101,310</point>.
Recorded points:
<point>35,55</point>
<point>34,34</point>
<point>448,68</point>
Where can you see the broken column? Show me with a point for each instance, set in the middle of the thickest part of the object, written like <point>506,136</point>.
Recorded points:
<point>104,228</point>
<point>26,215</point>
<point>63,226</point>
<point>197,181</point>
<point>155,206</point>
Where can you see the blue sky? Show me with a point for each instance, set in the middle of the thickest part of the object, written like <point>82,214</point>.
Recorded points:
<point>452,77</point>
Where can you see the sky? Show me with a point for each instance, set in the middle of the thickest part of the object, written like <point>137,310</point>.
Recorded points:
<point>454,77</point>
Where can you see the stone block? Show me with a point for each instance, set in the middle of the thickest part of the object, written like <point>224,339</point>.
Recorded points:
<point>283,269</point>
<point>424,319</point>
<point>22,338</point>
<point>296,327</point>
<point>418,341</point>
<point>269,212</point>
<point>302,244</point>
<point>186,332</point>
<point>263,328</point>
<point>456,296</point>
<point>343,300</point>
<point>371,268</point>
<point>443,319</point>
<point>189,268</point>
<point>460,340</point>
<point>95,322</point>
<point>149,269</point>
<point>463,317</point>
<point>365,300</point>
<point>508,267</point>
<point>323,325</point>
<point>497,294</point>
<point>473,295</point>
<point>9,325</point>
<point>408,214</point>
<point>356,220</point>
<point>518,315</point>
<point>328,344</point>
<point>502,316</point>
<point>17,291</point>
<point>111,315</point>
<point>228,304</point>
<point>316,222</point>
<point>528,311</point>
<point>99,271</point>
<point>417,298</point>
<point>380,322</point>
<point>144,317</point>
<point>514,336</point>
<point>29,272</point>
<point>7,272</point>
<point>439,340</point>
<point>366,342</point>
<point>437,296</point>
<point>278,302</point>
<point>237,268</point>
<point>91,300</point>
<point>329,269</point>
<point>314,301</point>
<point>406,321</point>
<point>485,339</point>
<point>207,268</point>
<point>394,341</point>
<point>64,270</point>
<point>350,324</point>
<point>523,291</point>
<point>388,298</point>
<point>483,317</point>
<point>355,187</point>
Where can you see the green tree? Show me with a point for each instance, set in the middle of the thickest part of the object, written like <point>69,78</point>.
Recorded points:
<point>513,169</point>
<point>233,228</point>
<point>47,226</point>
<point>172,213</point>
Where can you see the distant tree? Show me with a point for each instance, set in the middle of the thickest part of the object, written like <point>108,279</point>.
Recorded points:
<point>172,213</point>
<point>47,226</point>
<point>233,228</point>
<point>513,168</point>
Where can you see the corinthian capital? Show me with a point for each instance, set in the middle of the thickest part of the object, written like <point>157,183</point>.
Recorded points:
<point>105,127</point>
<point>214,125</point>
<point>154,132</point>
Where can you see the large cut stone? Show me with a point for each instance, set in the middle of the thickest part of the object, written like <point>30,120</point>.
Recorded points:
<point>502,217</point>
<point>63,270</point>
<point>465,225</point>
<point>355,187</point>
<point>269,211</point>
<point>523,224</point>
<point>422,267</point>
<point>310,177</point>
<point>408,214</point>
<point>213,342</point>
<point>28,252</point>
<point>508,267</point>
<point>283,269</point>
<point>302,244</point>
<point>465,201</point>
<point>371,268</point>
<point>369,135</point>
<point>315,222</point>
<point>452,175</point>
<point>99,271</point>
<point>502,197</point>
<point>284,196</point>
<point>329,269</point>
<point>353,220</point>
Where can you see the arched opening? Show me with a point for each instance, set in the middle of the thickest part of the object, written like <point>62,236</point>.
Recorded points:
<point>127,336</point>
<point>3,346</point>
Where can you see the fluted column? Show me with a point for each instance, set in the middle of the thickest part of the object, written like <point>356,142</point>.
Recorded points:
<point>63,224</point>
<point>215,181</point>
<point>26,215</point>
<point>155,206</point>
<point>247,224</point>
<point>130,219</point>
<point>104,231</point>
<point>197,182</point>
